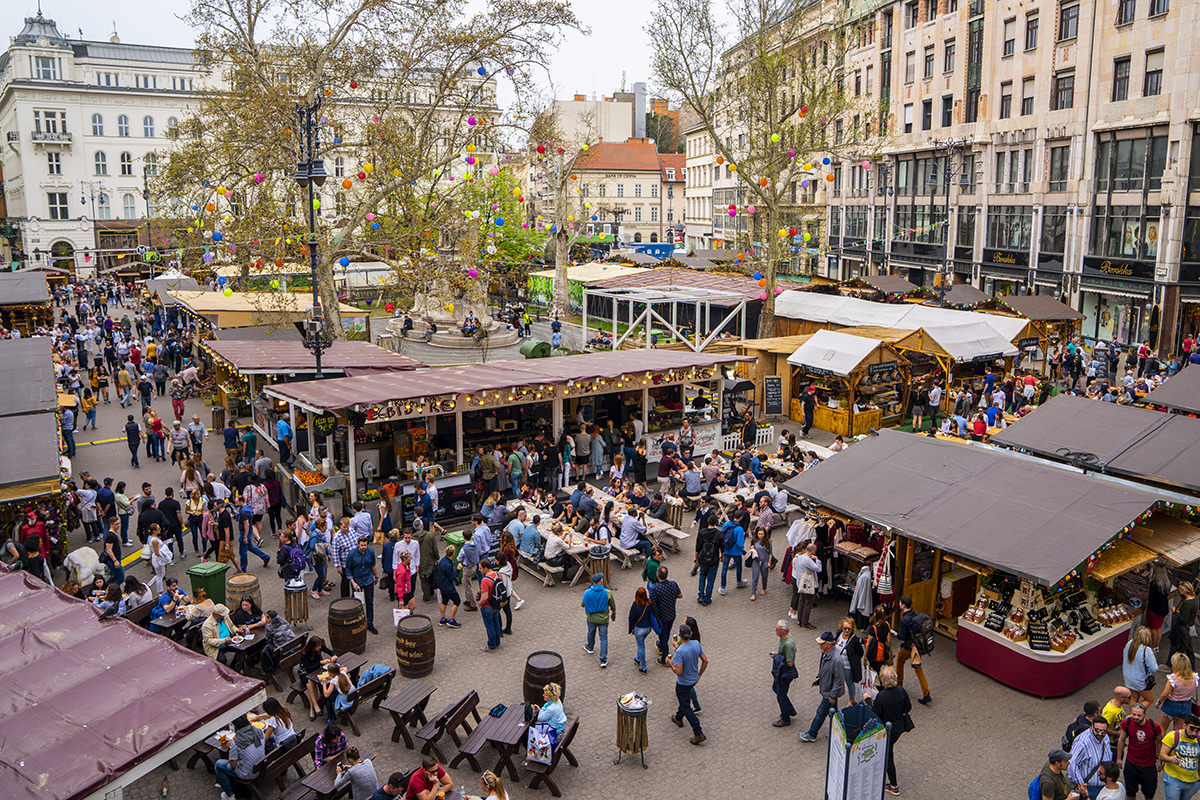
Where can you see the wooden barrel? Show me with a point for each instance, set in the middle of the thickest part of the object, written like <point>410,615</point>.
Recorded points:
<point>415,646</point>
<point>542,667</point>
<point>347,626</point>
<point>239,585</point>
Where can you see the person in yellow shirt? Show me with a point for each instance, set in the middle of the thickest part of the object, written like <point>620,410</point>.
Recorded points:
<point>151,348</point>
<point>1117,708</point>
<point>1180,755</point>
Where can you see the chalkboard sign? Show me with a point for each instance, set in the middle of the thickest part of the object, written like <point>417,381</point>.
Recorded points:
<point>773,395</point>
<point>325,424</point>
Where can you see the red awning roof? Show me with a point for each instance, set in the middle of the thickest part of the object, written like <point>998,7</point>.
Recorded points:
<point>286,354</point>
<point>83,702</point>
<point>334,393</point>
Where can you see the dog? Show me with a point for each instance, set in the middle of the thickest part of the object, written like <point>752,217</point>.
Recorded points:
<point>83,565</point>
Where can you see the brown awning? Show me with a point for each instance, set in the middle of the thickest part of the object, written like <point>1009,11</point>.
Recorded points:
<point>891,284</point>
<point>1041,307</point>
<point>28,370</point>
<point>85,702</point>
<point>29,453</point>
<point>1181,392</point>
<point>964,294</point>
<point>1119,559</point>
<point>284,354</point>
<point>1173,539</point>
<point>24,289</point>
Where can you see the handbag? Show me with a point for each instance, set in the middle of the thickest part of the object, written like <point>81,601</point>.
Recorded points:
<point>807,582</point>
<point>1151,678</point>
<point>906,723</point>
<point>539,743</point>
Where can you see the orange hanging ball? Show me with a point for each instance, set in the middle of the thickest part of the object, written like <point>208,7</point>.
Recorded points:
<point>346,184</point>
<point>762,181</point>
<point>762,283</point>
<point>209,207</point>
<point>829,177</point>
<point>279,262</point>
<point>720,159</point>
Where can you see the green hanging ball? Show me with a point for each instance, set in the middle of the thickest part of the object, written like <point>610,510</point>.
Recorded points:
<point>316,204</point>
<point>274,284</point>
<point>774,137</point>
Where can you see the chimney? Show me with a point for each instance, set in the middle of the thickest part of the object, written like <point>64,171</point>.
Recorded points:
<point>579,98</point>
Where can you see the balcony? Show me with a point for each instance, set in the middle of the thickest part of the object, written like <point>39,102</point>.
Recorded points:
<point>14,136</point>
<point>60,137</point>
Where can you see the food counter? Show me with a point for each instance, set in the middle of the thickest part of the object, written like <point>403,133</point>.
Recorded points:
<point>708,438</point>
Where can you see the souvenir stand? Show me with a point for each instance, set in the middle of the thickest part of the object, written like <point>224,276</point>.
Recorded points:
<point>847,371</point>
<point>383,429</point>
<point>1044,607</point>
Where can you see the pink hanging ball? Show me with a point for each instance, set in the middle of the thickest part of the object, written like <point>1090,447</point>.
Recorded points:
<point>750,209</point>
<point>733,212</point>
<point>370,217</point>
<point>762,295</point>
<point>778,290</point>
<point>471,120</point>
<point>494,171</point>
<point>474,273</point>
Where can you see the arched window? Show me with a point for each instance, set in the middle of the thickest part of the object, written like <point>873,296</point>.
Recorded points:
<point>128,206</point>
<point>653,237</point>
<point>103,207</point>
<point>172,125</point>
<point>148,127</point>
<point>122,125</point>
<point>126,164</point>
<point>97,125</point>
<point>101,161</point>
<point>637,237</point>
<point>151,162</point>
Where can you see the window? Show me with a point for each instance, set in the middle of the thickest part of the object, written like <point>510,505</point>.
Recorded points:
<point>927,70</point>
<point>1068,21</point>
<point>1026,169</point>
<point>1060,156</point>
<point>1154,72</point>
<point>50,121</point>
<point>637,190</point>
<point>1010,37</point>
<point>912,14</point>
<point>1117,231</point>
<point>57,203</point>
<point>931,9</point>
<point>45,68</point>
<point>1054,229</point>
<point>172,125</point>
<point>654,190</point>
<point>148,127</point>
<point>1125,11</point>
<point>1031,31</point>
<point>948,56</point>
<point>103,207</point>
<point>126,164</point>
<point>97,125</point>
<point>151,162</point>
<point>971,106</point>
<point>968,170</point>
<point>857,83</point>
<point>145,81</point>
<point>1127,162</point>
<point>670,215</point>
<point>870,78</point>
<point>654,213</point>
<point>620,190</point>
<point>1158,7</point>
<point>965,235</point>
<point>1006,100</point>
<point>1026,96</point>
<point>603,189</point>
<point>908,118</point>
<point>101,162</point>
<point>108,79</point>
<point>122,125</point>
<point>910,67</point>
<point>1120,85</point>
<point>339,167</point>
<point>1063,95</point>
<point>670,192</point>
<point>926,114</point>
<point>128,206</point>
<point>54,163</point>
<point>1010,227</point>
<point>637,214</point>
<point>947,110</point>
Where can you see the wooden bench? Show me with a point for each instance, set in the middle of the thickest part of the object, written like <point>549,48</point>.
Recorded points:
<point>296,687</point>
<point>672,539</point>
<point>288,648</point>
<point>469,749</point>
<point>140,615</point>
<point>278,762</point>
<point>447,722</point>
<point>546,573</point>
<point>621,555</point>
<point>294,792</point>
<point>377,688</point>
<point>542,772</point>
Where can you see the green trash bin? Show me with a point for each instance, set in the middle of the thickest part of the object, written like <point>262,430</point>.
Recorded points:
<point>455,538</point>
<point>535,348</point>
<point>209,576</point>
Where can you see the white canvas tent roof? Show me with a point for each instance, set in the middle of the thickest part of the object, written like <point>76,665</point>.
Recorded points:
<point>971,341</point>
<point>838,353</point>
<point>850,311</point>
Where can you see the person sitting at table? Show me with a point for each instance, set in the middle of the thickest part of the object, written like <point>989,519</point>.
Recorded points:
<point>335,692</point>
<point>111,599</point>
<point>598,533</point>
<point>555,553</point>
<point>136,594</point>
<point>279,732</point>
<point>169,602</point>
<point>633,532</point>
<point>216,633</point>
<point>658,507</point>
<point>693,482</point>
<point>550,712</point>
<point>359,773</point>
<point>329,745</point>
<point>516,525</point>
<point>429,332</point>
<point>499,514</point>
<point>530,540</point>
<point>245,752</point>
<point>489,505</point>
<point>747,479</point>
<point>553,506</point>
<point>526,493</point>
<point>429,781</point>
<point>248,617</point>
<point>588,507</point>
<point>314,658</point>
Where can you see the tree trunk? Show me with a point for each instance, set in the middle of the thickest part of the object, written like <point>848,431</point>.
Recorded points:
<point>560,305</point>
<point>330,305</point>
<point>770,235</point>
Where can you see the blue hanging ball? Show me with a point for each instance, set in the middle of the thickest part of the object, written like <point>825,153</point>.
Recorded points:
<point>553,228</point>
<point>758,276</point>
<point>499,220</point>
<point>345,262</point>
<point>374,226</point>
<point>594,218</point>
<point>204,183</point>
<point>217,236</point>
<point>825,160</point>
<point>481,71</point>
<point>221,281</point>
<point>195,208</point>
<point>337,140</point>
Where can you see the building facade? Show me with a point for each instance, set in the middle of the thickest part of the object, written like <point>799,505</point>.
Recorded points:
<point>698,204</point>
<point>1044,146</point>
<point>626,186</point>
<point>674,179</point>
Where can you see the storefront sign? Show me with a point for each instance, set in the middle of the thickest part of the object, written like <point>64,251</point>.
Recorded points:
<point>1028,341</point>
<point>886,366</point>
<point>325,424</point>
<point>773,395</point>
<point>708,435</point>
<point>1118,268</point>
<point>819,371</point>
<point>382,412</point>
<point>1005,258</point>
<point>988,357</point>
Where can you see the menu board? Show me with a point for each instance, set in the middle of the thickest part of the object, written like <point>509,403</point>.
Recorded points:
<point>773,395</point>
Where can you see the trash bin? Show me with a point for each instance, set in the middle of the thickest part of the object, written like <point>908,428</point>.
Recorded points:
<point>535,348</point>
<point>455,538</point>
<point>218,418</point>
<point>209,576</point>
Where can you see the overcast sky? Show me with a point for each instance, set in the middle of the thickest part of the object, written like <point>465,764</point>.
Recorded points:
<point>588,65</point>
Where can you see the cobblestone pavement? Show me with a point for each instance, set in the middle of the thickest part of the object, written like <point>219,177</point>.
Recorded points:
<point>977,739</point>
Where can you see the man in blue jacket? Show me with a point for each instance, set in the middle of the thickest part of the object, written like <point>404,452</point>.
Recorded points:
<point>733,539</point>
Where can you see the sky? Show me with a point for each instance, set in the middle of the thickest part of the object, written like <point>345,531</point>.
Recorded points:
<point>585,64</point>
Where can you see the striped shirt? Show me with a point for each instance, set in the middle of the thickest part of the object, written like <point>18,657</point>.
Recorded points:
<point>1086,754</point>
<point>343,542</point>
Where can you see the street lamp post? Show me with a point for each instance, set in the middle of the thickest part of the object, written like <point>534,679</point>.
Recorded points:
<point>92,188</point>
<point>310,171</point>
<point>953,148</point>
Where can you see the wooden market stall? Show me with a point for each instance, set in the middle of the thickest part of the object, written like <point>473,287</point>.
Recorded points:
<point>242,309</point>
<point>1044,606</point>
<point>860,381</point>
<point>1052,322</point>
<point>961,353</point>
<point>880,287</point>
<point>395,422</point>
<point>25,302</point>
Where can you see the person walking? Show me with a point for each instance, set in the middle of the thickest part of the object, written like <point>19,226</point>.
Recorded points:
<point>708,556</point>
<point>1176,698</point>
<point>363,571</point>
<point>664,595</point>
<point>831,683</point>
<point>892,705</point>
<point>1182,621</point>
<point>805,568</point>
<point>688,663</point>
<point>849,649</point>
<point>601,608</point>
<point>908,634</point>
<point>733,545</point>
<point>1089,749</point>
<point>1137,749</point>
<point>491,595</point>
<point>783,672</point>
<point>447,590</point>
<point>1139,664</point>
<point>1180,755</point>
<point>641,617</point>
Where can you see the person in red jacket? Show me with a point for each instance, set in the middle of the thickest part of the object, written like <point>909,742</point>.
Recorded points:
<point>32,526</point>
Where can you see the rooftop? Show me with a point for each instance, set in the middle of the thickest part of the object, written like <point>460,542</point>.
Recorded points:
<point>633,155</point>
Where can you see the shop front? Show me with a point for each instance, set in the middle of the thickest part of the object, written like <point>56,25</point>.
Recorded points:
<point>859,382</point>
<point>1004,271</point>
<point>1115,299</point>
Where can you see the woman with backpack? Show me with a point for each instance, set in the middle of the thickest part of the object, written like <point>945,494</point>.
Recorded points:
<point>877,649</point>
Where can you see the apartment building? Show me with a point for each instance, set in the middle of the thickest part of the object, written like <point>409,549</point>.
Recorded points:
<point>700,167</point>
<point>1074,167</point>
<point>674,166</point>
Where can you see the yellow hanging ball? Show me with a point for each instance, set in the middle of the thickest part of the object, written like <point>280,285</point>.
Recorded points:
<point>221,190</point>
<point>517,192</point>
<point>191,229</point>
<point>470,148</point>
<point>368,168</point>
<point>274,283</point>
<point>449,307</point>
<point>570,218</point>
<point>316,204</point>
<point>229,292</point>
<point>585,147</point>
<point>733,167</point>
<point>396,172</point>
<point>782,232</point>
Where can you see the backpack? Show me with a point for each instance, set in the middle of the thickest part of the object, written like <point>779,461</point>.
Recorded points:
<point>1035,787</point>
<point>1073,730</point>
<point>729,536</point>
<point>708,554</point>
<point>921,627</point>
<point>876,649</point>
<point>498,596</point>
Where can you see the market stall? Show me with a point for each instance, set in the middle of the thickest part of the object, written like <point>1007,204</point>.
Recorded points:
<point>1052,321</point>
<point>959,355</point>
<point>1043,606</point>
<point>376,426</point>
<point>1180,393</point>
<point>962,296</point>
<point>880,287</point>
<point>241,309</point>
<point>541,283</point>
<point>25,302</point>
<point>860,382</point>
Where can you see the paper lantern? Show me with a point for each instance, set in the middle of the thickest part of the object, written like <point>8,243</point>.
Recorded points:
<point>807,236</point>
<point>471,120</point>
<point>279,262</point>
<point>741,256</point>
<point>494,171</point>
<point>733,167</point>
<point>733,212</point>
<point>803,109</point>
<point>782,232</point>
<point>792,231</point>
<point>585,147</point>
<point>209,207</point>
<point>481,71</point>
<point>829,177</point>
<point>316,204</point>
<point>750,209</point>
<point>500,221</point>
<point>866,164</point>
<point>449,307</point>
<point>368,168</point>
<point>778,290</point>
<point>346,184</point>
<point>774,137</point>
<point>374,226</point>
<point>389,307</point>
<point>353,84</point>
<point>362,176</point>
<point>804,184</point>
<point>229,292</point>
<point>757,276</point>
<point>470,159</point>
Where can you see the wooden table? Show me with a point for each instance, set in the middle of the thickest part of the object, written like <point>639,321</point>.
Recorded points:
<point>170,624</point>
<point>407,707</point>
<point>351,662</point>
<point>578,545</point>
<point>321,779</point>
<point>507,735</point>
<point>204,751</point>
<point>244,650</point>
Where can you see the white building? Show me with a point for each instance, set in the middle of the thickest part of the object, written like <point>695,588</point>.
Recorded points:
<point>700,168</point>
<point>80,123</point>
<point>583,121</point>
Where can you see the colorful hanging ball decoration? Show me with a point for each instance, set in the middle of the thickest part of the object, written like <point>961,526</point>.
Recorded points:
<point>449,308</point>
<point>792,231</point>
<point>762,295</point>
<point>751,209</point>
<point>368,168</point>
<point>346,184</point>
<point>370,217</point>
<point>353,84</point>
<point>720,159</point>
<point>481,71</point>
<point>361,175</point>
<point>791,153</point>
<point>274,283</point>
<point>220,280</point>
<point>778,290</point>
<point>259,177</point>
<point>221,190</point>
<point>741,256</point>
<point>209,207</point>
<point>758,276</point>
<point>217,236</point>
<point>585,147</point>
<point>470,159</point>
<point>804,184</point>
<point>229,293</point>
<point>500,221</point>
<point>206,258</point>
<point>774,137</point>
<point>344,261</point>
<point>374,226</point>
<point>561,150</point>
<point>782,232</point>
<point>474,273</point>
<point>470,148</point>
<point>733,167</point>
<point>316,204</point>
<point>541,148</point>
<point>494,171</point>
<point>829,177</point>
<point>762,283</point>
<point>826,161</point>
<point>733,212</point>
<point>762,182</point>
<point>472,121</point>
<point>807,236</point>
<point>866,164</point>
<point>279,262</point>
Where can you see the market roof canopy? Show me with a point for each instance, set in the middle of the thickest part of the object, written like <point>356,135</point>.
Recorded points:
<point>251,308</point>
<point>965,294</point>
<point>290,355</point>
<point>636,258</point>
<point>161,287</point>
<point>1040,307</point>
<point>664,277</point>
<point>1181,392</point>
<point>1033,519</point>
<point>19,289</point>
<point>1114,438</point>
<point>28,371</point>
<point>29,453</point>
<point>834,352</point>
<point>590,272</point>
<point>83,702</point>
<point>973,341</point>
<point>339,393</point>
<point>890,284</point>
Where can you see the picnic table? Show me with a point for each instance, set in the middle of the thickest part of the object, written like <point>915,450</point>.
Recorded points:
<point>321,779</point>
<point>577,544</point>
<point>170,624</point>
<point>407,707</point>
<point>351,662</point>
<point>245,650</point>
<point>505,733</point>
